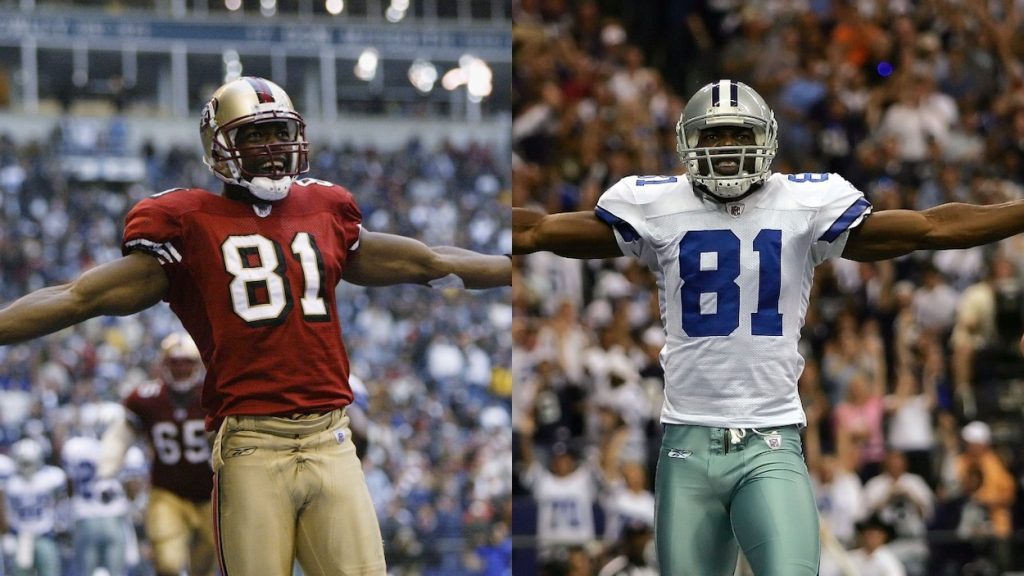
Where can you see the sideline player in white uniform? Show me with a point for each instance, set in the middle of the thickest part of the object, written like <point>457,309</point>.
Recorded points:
<point>99,509</point>
<point>733,248</point>
<point>36,498</point>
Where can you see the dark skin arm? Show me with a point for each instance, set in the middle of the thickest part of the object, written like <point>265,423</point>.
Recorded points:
<point>881,236</point>
<point>385,259</point>
<point>568,234</point>
<point>118,288</point>
<point>892,233</point>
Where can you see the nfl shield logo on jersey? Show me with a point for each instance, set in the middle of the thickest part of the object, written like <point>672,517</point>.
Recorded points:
<point>735,209</point>
<point>773,440</point>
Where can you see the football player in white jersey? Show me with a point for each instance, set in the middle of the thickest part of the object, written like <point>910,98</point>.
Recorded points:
<point>733,248</point>
<point>99,505</point>
<point>36,497</point>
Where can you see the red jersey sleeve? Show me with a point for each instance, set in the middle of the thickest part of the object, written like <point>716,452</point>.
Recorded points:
<point>152,228</point>
<point>132,412</point>
<point>350,218</point>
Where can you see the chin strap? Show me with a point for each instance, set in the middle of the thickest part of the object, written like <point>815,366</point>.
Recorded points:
<point>268,189</point>
<point>700,187</point>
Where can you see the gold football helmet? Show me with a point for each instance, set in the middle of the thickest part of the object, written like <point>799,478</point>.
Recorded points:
<point>181,365</point>
<point>266,169</point>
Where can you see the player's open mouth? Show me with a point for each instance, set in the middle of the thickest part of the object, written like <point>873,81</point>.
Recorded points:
<point>726,166</point>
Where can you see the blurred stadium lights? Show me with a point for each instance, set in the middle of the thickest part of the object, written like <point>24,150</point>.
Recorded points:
<point>232,65</point>
<point>160,64</point>
<point>268,7</point>
<point>366,66</point>
<point>423,75</point>
<point>476,75</point>
<point>479,77</point>
<point>472,72</point>
<point>334,7</point>
<point>396,11</point>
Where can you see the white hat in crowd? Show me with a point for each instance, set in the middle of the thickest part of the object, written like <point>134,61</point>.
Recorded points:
<point>977,433</point>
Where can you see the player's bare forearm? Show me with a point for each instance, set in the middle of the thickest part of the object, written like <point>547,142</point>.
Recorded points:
<point>121,287</point>
<point>892,233</point>
<point>476,270</point>
<point>569,234</point>
<point>385,259</point>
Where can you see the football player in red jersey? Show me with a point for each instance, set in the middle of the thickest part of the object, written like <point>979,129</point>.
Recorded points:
<point>167,411</point>
<point>251,273</point>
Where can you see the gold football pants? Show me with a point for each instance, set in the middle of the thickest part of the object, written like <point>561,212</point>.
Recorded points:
<point>293,488</point>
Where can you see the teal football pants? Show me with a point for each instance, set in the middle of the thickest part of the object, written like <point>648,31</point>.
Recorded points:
<point>720,490</point>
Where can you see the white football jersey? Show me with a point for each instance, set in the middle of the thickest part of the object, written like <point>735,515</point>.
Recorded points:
<point>32,503</point>
<point>565,514</point>
<point>734,282</point>
<point>92,496</point>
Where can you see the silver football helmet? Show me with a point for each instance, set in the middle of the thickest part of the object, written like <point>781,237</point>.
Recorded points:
<point>727,103</point>
<point>28,456</point>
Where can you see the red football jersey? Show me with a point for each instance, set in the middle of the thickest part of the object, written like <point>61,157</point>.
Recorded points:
<point>256,292</point>
<point>174,426</point>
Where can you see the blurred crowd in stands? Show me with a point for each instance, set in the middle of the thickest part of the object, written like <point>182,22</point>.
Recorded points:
<point>435,364</point>
<point>912,385</point>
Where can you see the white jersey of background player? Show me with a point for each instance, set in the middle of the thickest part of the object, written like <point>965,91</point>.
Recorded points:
<point>92,496</point>
<point>565,497</point>
<point>99,505</point>
<point>36,497</point>
<point>35,493</point>
<point>756,255</point>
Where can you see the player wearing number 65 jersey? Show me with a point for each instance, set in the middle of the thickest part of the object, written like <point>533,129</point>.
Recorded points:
<point>733,248</point>
<point>252,275</point>
<point>179,519</point>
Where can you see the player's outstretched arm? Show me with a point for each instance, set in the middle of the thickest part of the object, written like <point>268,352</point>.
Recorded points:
<point>892,233</point>
<point>385,259</point>
<point>114,444</point>
<point>124,286</point>
<point>569,234</point>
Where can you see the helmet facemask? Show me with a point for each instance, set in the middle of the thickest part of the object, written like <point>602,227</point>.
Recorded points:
<point>183,374</point>
<point>746,110</point>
